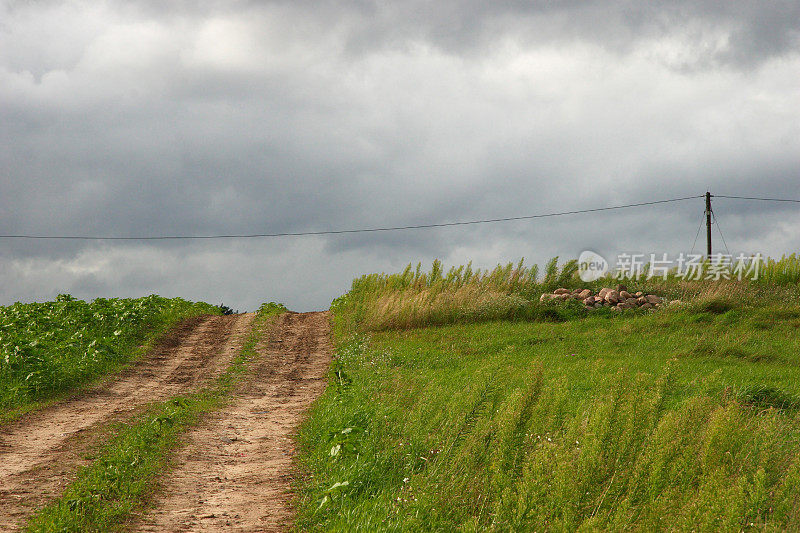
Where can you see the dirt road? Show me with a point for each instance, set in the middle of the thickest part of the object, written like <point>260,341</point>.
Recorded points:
<point>233,473</point>
<point>40,453</point>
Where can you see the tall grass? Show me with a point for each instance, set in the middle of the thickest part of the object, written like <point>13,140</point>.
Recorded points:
<point>415,297</point>
<point>784,271</point>
<point>418,298</point>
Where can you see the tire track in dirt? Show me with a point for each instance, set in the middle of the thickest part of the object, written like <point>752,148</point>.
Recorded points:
<point>234,472</point>
<point>40,453</point>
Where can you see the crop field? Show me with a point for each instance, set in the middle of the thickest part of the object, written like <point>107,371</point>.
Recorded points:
<point>53,347</point>
<point>467,405</point>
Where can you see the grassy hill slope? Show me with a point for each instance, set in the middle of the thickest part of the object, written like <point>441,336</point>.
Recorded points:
<point>526,416</point>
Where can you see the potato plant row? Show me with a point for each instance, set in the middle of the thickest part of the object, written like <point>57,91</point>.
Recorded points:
<point>52,346</point>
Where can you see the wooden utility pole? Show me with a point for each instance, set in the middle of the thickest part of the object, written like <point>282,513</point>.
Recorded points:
<point>708,225</point>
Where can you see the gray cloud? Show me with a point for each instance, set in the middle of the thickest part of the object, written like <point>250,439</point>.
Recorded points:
<point>742,33</point>
<point>145,118</point>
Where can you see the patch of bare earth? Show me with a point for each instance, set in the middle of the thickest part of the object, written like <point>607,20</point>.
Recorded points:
<point>40,453</point>
<point>233,474</point>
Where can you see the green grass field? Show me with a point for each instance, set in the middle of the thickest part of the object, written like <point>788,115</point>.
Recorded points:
<point>554,418</point>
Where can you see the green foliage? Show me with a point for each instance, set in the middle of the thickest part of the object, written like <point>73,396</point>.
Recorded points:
<point>52,347</point>
<point>271,308</point>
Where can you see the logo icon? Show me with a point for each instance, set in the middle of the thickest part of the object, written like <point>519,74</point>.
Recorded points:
<point>591,266</point>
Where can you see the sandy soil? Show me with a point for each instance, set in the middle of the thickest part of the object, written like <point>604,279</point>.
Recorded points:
<point>234,472</point>
<point>40,452</point>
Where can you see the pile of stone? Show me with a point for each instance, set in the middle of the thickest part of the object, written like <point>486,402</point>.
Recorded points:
<point>618,298</point>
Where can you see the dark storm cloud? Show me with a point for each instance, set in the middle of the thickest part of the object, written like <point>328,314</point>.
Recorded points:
<point>755,30</point>
<point>150,118</point>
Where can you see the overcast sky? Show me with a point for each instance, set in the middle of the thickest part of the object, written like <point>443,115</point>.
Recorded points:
<point>150,118</point>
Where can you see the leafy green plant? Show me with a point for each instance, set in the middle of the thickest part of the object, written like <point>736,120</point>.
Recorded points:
<point>53,347</point>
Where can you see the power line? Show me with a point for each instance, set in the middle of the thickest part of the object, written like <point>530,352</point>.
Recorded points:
<point>719,229</point>
<point>345,231</point>
<point>702,217</point>
<point>756,198</point>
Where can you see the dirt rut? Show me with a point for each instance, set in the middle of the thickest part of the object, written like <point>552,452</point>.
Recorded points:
<point>40,453</point>
<point>234,472</point>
